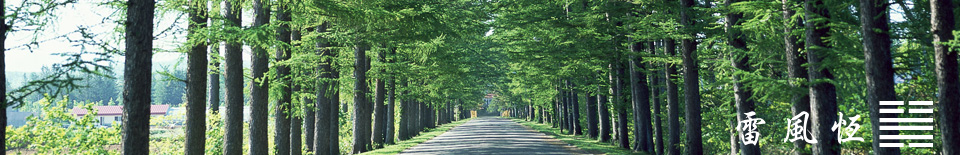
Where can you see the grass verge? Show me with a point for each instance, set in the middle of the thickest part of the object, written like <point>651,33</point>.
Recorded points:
<point>581,141</point>
<point>423,137</point>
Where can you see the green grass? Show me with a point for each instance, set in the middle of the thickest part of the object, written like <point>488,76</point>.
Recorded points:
<point>423,137</point>
<point>583,142</point>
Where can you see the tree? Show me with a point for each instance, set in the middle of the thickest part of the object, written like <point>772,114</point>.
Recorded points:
<point>878,63</point>
<point>233,81</point>
<point>380,110</point>
<point>673,103</point>
<point>604,115</point>
<point>259,94</point>
<point>800,99</point>
<point>823,95</point>
<point>196,123</point>
<point>948,81</point>
<point>592,121</point>
<point>282,121</point>
<point>214,97</point>
<point>691,81</point>
<point>327,120</point>
<point>575,109</point>
<point>743,95</point>
<point>655,81</point>
<point>363,109</point>
<point>640,94</point>
<point>391,98</point>
<point>137,76</point>
<point>296,120</point>
<point>406,115</point>
<point>3,75</point>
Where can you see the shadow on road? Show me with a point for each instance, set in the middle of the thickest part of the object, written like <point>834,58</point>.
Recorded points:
<point>492,135</point>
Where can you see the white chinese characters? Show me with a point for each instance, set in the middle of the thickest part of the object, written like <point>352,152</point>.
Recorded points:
<point>748,129</point>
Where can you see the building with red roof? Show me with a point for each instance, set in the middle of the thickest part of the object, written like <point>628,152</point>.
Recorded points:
<point>113,115</point>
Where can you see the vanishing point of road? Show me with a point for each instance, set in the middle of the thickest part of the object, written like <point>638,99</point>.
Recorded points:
<point>492,135</point>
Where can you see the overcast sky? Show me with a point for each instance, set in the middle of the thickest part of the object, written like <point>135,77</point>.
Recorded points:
<point>86,13</point>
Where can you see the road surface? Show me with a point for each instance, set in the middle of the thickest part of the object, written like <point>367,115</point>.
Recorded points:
<point>492,135</point>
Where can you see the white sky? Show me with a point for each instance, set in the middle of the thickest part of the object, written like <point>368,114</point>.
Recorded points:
<point>86,13</point>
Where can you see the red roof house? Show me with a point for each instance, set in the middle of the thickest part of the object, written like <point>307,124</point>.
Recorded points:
<point>118,110</point>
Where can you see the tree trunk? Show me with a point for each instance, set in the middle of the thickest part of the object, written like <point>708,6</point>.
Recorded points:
<point>673,102</point>
<point>604,114</point>
<point>406,115</point>
<point>214,80</point>
<point>691,83</point>
<point>296,122</point>
<point>795,60</point>
<point>259,93</point>
<point>333,137</point>
<point>655,90</point>
<point>362,108</point>
<point>823,95</point>
<point>565,111</point>
<point>942,20</point>
<point>574,100</point>
<point>233,81</point>
<point>281,119</point>
<point>308,105</point>
<point>380,111</point>
<point>432,117</point>
<point>878,64</point>
<point>137,76</point>
<point>741,61</point>
<point>3,76</point>
<point>325,131</point>
<point>592,122</point>
<point>196,122</point>
<point>391,104</point>
<point>424,116</point>
<point>620,104</point>
<point>640,94</point>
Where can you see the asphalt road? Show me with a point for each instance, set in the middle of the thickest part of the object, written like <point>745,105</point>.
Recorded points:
<point>492,135</point>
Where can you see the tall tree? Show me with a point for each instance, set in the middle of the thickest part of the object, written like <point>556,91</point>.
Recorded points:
<point>282,107</point>
<point>362,108</point>
<point>380,110</point>
<point>296,119</point>
<point>741,61</point>
<point>406,116</point>
<point>655,81</point>
<point>691,81</point>
<point>618,101</point>
<point>823,95</point>
<point>948,81</point>
<point>604,114</point>
<point>196,123</point>
<point>592,121</point>
<point>673,103</point>
<point>309,105</point>
<point>327,121</point>
<point>259,87</point>
<point>878,64</point>
<point>214,81</point>
<point>575,109</point>
<point>640,94</point>
<point>391,99</point>
<point>800,101</point>
<point>233,137</point>
<point>3,75</point>
<point>137,76</point>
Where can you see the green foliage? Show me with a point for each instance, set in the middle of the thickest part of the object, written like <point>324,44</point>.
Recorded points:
<point>56,131</point>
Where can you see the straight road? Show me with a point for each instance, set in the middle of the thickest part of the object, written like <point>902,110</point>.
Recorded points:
<point>492,135</point>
